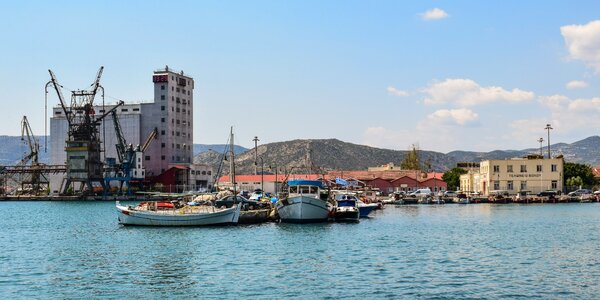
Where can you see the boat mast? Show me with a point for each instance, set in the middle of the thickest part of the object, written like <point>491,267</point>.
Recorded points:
<point>232,162</point>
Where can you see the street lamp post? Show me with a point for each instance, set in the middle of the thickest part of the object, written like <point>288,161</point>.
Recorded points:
<point>255,154</point>
<point>548,127</point>
<point>541,140</point>
<point>262,175</point>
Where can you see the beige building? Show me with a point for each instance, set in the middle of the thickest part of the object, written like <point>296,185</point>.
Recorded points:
<point>533,173</point>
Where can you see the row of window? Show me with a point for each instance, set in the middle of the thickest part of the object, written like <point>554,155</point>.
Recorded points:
<point>201,173</point>
<point>539,168</point>
<point>173,158</point>
<point>178,90</point>
<point>523,184</point>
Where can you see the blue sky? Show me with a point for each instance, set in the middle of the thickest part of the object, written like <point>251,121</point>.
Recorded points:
<point>446,75</point>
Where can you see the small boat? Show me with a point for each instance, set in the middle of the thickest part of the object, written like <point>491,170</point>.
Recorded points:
<point>346,208</point>
<point>156,214</point>
<point>461,198</point>
<point>304,202</point>
<point>252,211</point>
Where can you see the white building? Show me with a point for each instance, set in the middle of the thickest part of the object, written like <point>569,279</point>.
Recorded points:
<point>533,173</point>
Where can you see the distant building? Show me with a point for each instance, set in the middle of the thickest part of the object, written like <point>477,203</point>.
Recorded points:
<point>386,167</point>
<point>533,173</point>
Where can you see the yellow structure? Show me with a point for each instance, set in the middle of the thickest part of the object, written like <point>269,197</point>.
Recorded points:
<point>533,173</point>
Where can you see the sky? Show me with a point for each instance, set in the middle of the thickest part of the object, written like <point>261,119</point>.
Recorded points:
<point>443,75</point>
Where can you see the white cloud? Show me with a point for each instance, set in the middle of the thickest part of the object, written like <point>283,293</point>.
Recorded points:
<point>583,42</point>
<point>466,92</point>
<point>584,105</point>
<point>576,84</point>
<point>434,14</point>
<point>461,116</point>
<point>396,92</point>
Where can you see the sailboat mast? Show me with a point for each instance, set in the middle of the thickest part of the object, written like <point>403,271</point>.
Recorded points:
<point>232,162</point>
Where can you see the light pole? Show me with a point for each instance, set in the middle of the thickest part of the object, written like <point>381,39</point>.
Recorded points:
<point>262,175</point>
<point>276,177</point>
<point>548,127</point>
<point>541,140</point>
<point>255,154</point>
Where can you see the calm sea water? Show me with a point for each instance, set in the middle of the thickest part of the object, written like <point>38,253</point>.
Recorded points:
<point>77,250</point>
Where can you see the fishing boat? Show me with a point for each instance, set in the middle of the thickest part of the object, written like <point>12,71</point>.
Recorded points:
<point>304,202</point>
<point>346,208</point>
<point>364,208</point>
<point>156,213</point>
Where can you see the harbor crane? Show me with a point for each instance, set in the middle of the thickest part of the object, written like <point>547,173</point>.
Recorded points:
<point>83,145</point>
<point>129,167</point>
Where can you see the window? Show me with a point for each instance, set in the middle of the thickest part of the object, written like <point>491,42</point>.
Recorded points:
<point>509,169</point>
<point>177,89</point>
<point>509,185</point>
<point>538,168</point>
<point>523,185</point>
<point>177,122</point>
<point>162,157</point>
<point>554,168</point>
<point>177,110</point>
<point>162,120</point>
<point>496,185</point>
<point>203,172</point>
<point>178,158</point>
<point>178,146</point>
<point>496,169</point>
<point>136,109</point>
<point>58,112</point>
<point>523,168</point>
<point>162,107</point>
<point>147,157</point>
<point>162,132</point>
<point>554,184</point>
<point>162,97</point>
<point>177,100</point>
<point>208,172</point>
<point>172,98</point>
<point>172,77</point>
<point>172,108</point>
<point>124,109</point>
<point>172,89</point>
<point>162,145</point>
<point>162,87</point>
<point>177,133</point>
<point>188,93</point>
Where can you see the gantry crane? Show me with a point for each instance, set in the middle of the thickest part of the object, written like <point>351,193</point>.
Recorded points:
<point>83,145</point>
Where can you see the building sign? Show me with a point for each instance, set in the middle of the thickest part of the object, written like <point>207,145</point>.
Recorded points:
<point>160,78</point>
<point>524,175</point>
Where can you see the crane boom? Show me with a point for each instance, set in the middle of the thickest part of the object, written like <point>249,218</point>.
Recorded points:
<point>121,142</point>
<point>149,139</point>
<point>33,144</point>
<point>61,98</point>
<point>95,85</point>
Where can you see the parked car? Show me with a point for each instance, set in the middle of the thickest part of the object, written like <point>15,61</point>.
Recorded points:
<point>580,192</point>
<point>549,193</point>
<point>450,194</point>
<point>421,193</point>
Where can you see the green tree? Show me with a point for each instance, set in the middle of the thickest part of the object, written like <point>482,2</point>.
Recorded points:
<point>452,178</point>
<point>584,172</point>
<point>411,160</point>
<point>575,181</point>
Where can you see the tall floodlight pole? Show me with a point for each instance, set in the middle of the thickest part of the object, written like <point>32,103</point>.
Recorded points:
<point>256,155</point>
<point>541,140</point>
<point>548,127</point>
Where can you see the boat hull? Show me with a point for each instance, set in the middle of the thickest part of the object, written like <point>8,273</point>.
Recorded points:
<point>129,216</point>
<point>366,209</point>
<point>301,209</point>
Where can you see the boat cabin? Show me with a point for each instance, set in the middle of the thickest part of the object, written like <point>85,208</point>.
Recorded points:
<point>307,188</point>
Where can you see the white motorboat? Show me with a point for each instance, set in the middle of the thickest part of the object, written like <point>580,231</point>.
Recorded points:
<point>346,208</point>
<point>304,202</point>
<point>159,214</point>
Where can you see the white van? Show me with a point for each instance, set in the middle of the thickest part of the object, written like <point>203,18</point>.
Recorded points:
<point>421,193</point>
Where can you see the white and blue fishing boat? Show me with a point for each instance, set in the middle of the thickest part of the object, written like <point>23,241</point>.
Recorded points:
<point>364,208</point>
<point>346,208</point>
<point>304,202</point>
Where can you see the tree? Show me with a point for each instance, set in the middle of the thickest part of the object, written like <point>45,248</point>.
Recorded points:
<point>584,172</point>
<point>452,178</point>
<point>411,160</point>
<point>575,181</point>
